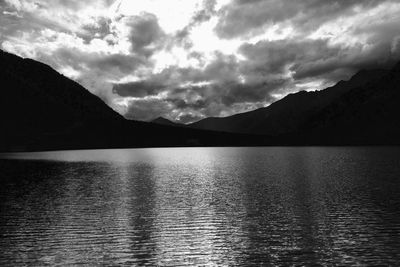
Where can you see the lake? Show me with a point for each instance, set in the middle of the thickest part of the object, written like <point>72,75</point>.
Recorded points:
<point>269,206</point>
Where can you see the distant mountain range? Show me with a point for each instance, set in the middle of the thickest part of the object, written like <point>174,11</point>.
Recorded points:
<point>363,110</point>
<point>164,121</point>
<point>289,114</point>
<point>41,109</point>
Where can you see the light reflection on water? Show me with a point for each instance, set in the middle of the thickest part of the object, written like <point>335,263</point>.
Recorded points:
<point>201,206</point>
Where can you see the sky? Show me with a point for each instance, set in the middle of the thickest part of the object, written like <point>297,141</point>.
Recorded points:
<point>190,59</point>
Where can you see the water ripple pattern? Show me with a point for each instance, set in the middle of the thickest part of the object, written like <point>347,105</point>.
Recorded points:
<point>275,206</point>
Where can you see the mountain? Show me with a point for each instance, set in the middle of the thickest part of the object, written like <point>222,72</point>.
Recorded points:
<point>37,99</point>
<point>164,121</point>
<point>362,110</point>
<point>367,114</point>
<point>41,109</point>
<point>288,114</point>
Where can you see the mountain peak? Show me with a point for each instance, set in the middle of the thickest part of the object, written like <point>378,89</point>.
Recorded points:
<point>164,121</point>
<point>160,119</point>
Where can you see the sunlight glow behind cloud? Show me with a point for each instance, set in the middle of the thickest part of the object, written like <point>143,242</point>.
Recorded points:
<point>172,14</point>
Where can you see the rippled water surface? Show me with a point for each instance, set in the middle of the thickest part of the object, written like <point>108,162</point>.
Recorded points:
<point>201,206</point>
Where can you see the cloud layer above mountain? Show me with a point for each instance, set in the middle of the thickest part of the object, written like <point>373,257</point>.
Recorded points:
<point>186,60</point>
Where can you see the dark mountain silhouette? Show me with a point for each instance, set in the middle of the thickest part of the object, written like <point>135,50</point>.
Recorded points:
<point>37,99</point>
<point>367,114</point>
<point>288,114</point>
<point>164,121</point>
<point>363,110</point>
<point>41,109</point>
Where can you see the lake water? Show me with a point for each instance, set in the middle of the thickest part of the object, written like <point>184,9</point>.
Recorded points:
<point>201,206</point>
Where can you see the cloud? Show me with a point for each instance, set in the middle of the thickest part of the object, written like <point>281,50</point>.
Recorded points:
<point>188,118</point>
<point>303,58</point>
<point>67,16</point>
<point>204,14</point>
<point>214,91</point>
<point>222,58</point>
<point>147,109</point>
<point>100,28</point>
<point>395,48</point>
<point>189,104</point>
<point>146,35</point>
<point>110,66</point>
<point>335,51</point>
<point>247,18</point>
<point>137,89</point>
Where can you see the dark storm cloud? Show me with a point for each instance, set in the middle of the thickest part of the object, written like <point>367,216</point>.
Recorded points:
<point>147,109</point>
<point>197,100</point>
<point>146,34</point>
<point>267,58</point>
<point>259,92</point>
<point>191,103</point>
<point>222,70</point>
<point>151,85</point>
<point>345,61</point>
<point>319,58</point>
<point>244,17</point>
<point>225,94</point>
<point>124,63</point>
<point>137,89</point>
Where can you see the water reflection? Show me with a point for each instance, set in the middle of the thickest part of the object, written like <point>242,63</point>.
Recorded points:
<point>201,206</point>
